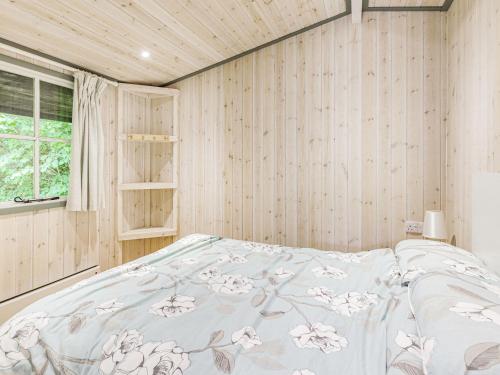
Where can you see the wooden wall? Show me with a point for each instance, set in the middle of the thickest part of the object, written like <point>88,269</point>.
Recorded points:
<point>473,127</point>
<point>329,139</point>
<point>39,247</point>
<point>43,246</point>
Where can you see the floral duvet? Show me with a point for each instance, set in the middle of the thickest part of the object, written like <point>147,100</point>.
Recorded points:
<point>455,301</point>
<point>207,305</point>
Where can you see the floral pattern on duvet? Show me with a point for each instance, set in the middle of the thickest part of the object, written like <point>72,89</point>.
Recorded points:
<point>455,301</point>
<point>462,314</point>
<point>209,305</point>
<point>406,352</point>
<point>417,257</point>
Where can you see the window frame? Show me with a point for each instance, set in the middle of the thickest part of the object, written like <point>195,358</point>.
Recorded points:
<point>36,138</point>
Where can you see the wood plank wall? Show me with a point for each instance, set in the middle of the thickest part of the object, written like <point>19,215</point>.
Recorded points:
<point>473,127</point>
<point>329,139</point>
<point>43,246</point>
<point>39,247</point>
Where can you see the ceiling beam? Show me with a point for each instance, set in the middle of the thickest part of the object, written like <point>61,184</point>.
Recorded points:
<point>356,10</point>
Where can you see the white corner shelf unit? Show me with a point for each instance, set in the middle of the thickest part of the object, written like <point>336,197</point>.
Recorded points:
<point>147,154</point>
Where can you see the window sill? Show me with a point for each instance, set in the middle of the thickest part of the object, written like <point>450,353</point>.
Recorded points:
<point>7,208</point>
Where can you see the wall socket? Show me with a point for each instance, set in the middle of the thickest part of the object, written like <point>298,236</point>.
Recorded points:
<point>414,227</point>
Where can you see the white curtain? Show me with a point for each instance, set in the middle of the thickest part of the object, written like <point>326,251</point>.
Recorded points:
<point>86,182</point>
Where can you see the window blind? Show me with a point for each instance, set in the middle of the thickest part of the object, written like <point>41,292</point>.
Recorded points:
<point>56,102</point>
<point>17,92</point>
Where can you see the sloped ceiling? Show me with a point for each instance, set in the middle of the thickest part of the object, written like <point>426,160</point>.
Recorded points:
<point>182,36</point>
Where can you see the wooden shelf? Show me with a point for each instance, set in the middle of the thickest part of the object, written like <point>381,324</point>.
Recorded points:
<point>148,186</point>
<point>152,124</point>
<point>158,138</point>
<point>150,232</point>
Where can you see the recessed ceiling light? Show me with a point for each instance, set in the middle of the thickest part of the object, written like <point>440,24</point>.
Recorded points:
<point>145,54</point>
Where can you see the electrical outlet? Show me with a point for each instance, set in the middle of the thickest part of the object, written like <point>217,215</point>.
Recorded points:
<point>414,227</point>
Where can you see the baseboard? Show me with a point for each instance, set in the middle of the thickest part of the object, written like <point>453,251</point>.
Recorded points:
<point>13,305</point>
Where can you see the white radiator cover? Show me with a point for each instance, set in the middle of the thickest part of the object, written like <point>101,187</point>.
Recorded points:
<point>12,306</point>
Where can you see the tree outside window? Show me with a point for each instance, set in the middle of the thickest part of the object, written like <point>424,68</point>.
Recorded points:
<point>35,136</point>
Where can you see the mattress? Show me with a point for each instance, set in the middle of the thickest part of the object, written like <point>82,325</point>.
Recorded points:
<point>210,305</point>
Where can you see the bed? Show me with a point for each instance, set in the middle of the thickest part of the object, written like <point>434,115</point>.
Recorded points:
<point>210,305</point>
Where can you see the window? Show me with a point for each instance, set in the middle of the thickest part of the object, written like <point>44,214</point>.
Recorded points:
<point>35,134</point>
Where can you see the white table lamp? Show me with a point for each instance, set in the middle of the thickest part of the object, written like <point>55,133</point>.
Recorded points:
<point>434,225</point>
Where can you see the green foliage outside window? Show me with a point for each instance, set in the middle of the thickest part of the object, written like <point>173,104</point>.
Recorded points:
<point>17,158</point>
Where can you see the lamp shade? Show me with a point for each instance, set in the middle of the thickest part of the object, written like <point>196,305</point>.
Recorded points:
<point>434,225</point>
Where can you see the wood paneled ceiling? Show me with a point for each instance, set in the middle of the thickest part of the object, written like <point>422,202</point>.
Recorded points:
<point>183,36</point>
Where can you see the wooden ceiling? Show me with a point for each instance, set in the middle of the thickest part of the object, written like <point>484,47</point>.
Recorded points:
<point>183,36</point>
